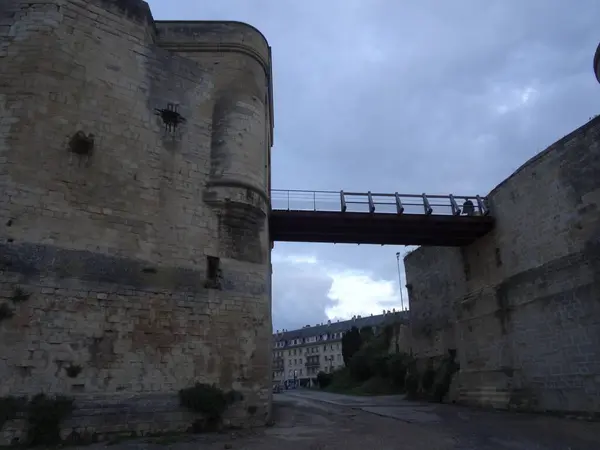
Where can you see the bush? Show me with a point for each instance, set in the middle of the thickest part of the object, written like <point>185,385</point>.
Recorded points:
<point>361,366</point>
<point>371,360</point>
<point>44,416</point>
<point>342,380</point>
<point>427,379</point>
<point>377,386</point>
<point>9,408</point>
<point>324,379</point>
<point>397,367</point>
<point>351,343</point>
<point>411,384</point>
<point>208,400</point>
<point>380,366</point>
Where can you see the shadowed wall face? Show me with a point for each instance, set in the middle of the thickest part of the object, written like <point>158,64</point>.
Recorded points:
<point>106,236</point>
<point>528,319</point>
<point>435,279</point>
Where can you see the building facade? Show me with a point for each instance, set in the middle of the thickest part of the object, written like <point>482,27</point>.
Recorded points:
<point>299,355</point>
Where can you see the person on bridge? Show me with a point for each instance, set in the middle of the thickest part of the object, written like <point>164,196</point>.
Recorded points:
<point>468,208</point>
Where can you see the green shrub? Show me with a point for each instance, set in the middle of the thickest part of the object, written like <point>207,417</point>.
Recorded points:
<point>397,367</point>
<point>351,343</point>
<point>324,379</point>
<point>208,400</point>
<point>427,379</point>
<point>44,416</point>
<point>361,365</point>
<point>10,407</point>
<point>380,365</point>
<point>342,380</point>
<point>377,386</point>
<point>411,385</point>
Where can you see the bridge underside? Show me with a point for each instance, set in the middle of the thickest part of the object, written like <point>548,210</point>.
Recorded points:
<point>384,229</point>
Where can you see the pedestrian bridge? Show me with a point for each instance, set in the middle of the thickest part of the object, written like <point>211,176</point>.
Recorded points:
<point>378,218</point>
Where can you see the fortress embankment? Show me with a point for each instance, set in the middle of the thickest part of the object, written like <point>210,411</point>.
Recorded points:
<point>134,180</point>
<point>521,306</point>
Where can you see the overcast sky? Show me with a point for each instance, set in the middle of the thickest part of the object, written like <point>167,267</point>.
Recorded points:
<point>409,96</point>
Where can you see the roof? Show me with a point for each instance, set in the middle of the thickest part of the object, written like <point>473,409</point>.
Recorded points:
<point>336,327</point>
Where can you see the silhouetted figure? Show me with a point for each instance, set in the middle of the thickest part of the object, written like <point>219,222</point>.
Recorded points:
<point>468,208</point>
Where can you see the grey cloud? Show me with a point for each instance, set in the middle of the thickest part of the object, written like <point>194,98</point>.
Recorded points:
<point>301,293</point>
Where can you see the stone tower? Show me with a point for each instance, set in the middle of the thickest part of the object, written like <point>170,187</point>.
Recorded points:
<point>134,181</point>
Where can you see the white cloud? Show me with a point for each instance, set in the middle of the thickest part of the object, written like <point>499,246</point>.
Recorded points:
<point>358,293</point>
<point>308,290</point>
<point>515,98</point>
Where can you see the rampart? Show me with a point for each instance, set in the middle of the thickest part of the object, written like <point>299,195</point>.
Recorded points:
<point>134,172</point>
<point>521,305</point>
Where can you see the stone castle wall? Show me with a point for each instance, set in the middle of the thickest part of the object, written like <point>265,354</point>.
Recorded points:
<point>434,279</point>
<point>147,261</point>
<point>526,309</point>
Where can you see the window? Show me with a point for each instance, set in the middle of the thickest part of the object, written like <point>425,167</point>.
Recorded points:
<point>300,362</point>
<point>213,272</point>
<point>324,348</point>
<point>300,371</point>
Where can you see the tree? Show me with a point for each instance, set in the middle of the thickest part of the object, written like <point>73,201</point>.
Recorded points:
<point>351,342</point>
<point>366,334</point>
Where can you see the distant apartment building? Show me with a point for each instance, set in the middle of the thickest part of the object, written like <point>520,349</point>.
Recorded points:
<point>299,355</point>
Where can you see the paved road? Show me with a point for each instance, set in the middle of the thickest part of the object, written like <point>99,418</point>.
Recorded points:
<point>455,427</point>
<point>312,420</point>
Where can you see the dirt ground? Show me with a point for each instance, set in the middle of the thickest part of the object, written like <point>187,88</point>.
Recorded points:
<point>310,420</point>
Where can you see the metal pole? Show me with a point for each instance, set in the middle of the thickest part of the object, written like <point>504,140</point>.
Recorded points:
<point>400,280</point>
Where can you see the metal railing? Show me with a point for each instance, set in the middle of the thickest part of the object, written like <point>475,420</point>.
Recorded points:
<point>381,203</point>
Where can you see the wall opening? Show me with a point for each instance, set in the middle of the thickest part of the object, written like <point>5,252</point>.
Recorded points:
<point>213,272</point>
<point>498,258</point>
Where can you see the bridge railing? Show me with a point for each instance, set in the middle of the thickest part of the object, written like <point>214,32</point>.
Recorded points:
<point>374,202</point>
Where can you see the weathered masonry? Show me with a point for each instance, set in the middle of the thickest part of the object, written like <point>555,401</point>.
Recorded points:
<point>522,305</point>
<point>134,172</point>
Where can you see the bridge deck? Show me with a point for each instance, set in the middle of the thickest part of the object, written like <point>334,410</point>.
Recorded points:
<point>393,219</point>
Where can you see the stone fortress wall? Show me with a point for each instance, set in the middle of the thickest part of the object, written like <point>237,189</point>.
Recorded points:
<point>140,254</point>
<point>522,304</point>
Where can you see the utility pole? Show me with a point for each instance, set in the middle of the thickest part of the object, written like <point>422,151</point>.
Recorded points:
<point>400,280</point>
<point>597,64</point>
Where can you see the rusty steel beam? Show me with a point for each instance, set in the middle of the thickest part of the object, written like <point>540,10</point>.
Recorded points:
<point>382,229</point>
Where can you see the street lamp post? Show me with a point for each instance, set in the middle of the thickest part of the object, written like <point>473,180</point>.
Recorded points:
<point>597,63</point>
<point>400,280</point>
